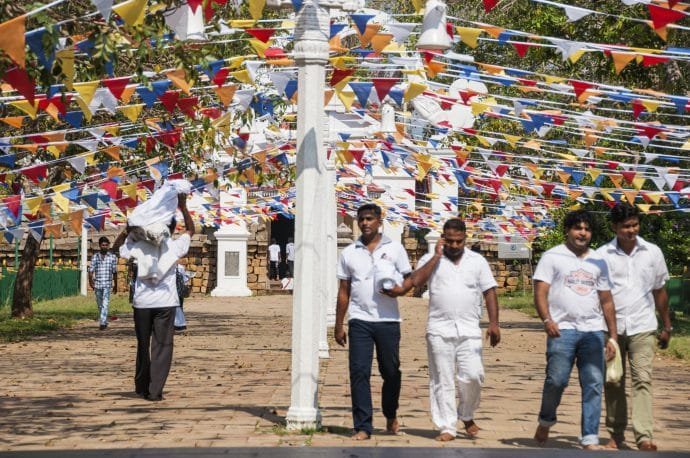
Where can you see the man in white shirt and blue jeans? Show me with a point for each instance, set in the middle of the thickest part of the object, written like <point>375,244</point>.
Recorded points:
<point>638,273</point>
<point>572,294</point>
<point>374,319</point>
<point>458,280</point>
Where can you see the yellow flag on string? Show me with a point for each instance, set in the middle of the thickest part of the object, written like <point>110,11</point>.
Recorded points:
<point>574,57</point>
<point>242,76</point>
<point>413,90</point>
<point>347,97</point>
<point>256,8</point>
<point>132,111</point>
<point>26,107</point>
<point>260,47</point>
<point>621,60</point>
<point>418,6</point>
<point>650,105</point>
<point>86,90</point>
<point>12,39</point>
<point>84,108</point>
<point>132,12</point>
<point>130,190</point>
<point>638,182</point>
<point>33,204</point>
<point>66,59</point>
<point>61,202</point>
<point>644,208</point>
<point>655,196</point>
<point>469,35</point>
<point>630,196</point>
<point>178,78</point>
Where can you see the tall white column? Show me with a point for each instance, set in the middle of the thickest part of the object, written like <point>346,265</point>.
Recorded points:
<point>83,261</point>
<point>330,259</point>
<point>311,55</point>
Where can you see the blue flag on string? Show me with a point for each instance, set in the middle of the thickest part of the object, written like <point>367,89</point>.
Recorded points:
<point>147,96</point>
<point>361,21</point>
<point>335,29</point>
<point>362,90</point>
<point>34,39</point>
<point>74,118</point>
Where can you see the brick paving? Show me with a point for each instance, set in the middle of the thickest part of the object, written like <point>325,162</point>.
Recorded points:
<point>229,387</point>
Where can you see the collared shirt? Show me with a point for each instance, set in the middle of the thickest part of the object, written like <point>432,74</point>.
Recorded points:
<point>290,251</point>
<point>357,264</point>
<point>103,268</point>
<point>151,294</point>
<point>634,276</point>
<point>574,285</point>
<point>455,294</point>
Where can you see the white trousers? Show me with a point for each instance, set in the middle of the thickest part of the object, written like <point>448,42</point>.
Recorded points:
<point>451,358</point>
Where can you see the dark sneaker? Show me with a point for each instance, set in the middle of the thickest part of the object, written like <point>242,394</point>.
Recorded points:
<point>180,328</point>
<point>103,327</point>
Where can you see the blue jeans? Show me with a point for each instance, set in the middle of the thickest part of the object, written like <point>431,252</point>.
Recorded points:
<point>561,352</point>
<point>363,336</point>
<point>103,301</point>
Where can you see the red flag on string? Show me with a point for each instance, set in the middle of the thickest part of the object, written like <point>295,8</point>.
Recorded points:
<point>261,34</point>
<point>661,17</point>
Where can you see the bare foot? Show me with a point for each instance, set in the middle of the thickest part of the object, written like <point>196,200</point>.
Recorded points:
<point>542,434</point>
<point>471,429</point>
<point>593,447</point>
<point>392,426</point>
<point>614,444</point>
<point>360,436</point>
<point>445,437</point>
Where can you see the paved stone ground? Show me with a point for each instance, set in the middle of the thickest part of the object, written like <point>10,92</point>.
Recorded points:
<point>229,387</point>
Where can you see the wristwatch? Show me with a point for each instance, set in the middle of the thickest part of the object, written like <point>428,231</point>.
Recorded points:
<point>669,330</point>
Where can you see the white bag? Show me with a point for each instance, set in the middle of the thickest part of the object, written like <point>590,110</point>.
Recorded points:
<point>614,367</point>
<point>162,205</point>
<point>386,275</point>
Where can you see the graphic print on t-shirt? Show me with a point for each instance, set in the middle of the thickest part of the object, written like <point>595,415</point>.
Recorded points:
<point>580,281</point>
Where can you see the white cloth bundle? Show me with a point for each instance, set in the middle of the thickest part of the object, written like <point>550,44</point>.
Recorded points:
<point>386,275</point>
<point>150,220</point>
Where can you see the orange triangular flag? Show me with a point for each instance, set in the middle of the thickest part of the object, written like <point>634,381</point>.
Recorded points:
<point>12,39</point>
<point>369,32</point>
<point>380,41</point>
<point>14,121</point>
<point>178,78</point>
<point>225,93</point>
<point>621,59</point>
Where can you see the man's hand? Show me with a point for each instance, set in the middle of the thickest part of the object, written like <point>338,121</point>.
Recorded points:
<point>551,328</point>
<point>439,247</point>
<point>340,335</point>
<point>610,351</point>
<point>395,291</point>
<point>493,334</point>
<point>664,338</point>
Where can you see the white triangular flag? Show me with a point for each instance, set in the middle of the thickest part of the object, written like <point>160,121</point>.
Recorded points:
<point>105,7</point>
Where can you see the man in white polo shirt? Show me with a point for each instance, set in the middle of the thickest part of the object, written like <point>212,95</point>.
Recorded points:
<point>374,319</point>
<point>572,294</point>
<point>458,279</point>
<point>638,273</point>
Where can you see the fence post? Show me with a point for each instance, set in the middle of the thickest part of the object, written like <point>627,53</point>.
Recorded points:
<point>50,253</point>
<point>83,258</point>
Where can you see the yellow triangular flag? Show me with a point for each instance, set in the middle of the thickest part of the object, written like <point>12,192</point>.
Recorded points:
<point>655,196</point>
<point>638,182</point>
<point>380,41</point>
<point>479,108</point>
<point>644,208</point>
<point>553,79</point>
<point>242,76</point>
<point>630,196</point>
<point>260,47</point>
<point>413,90</point>
<point>650,105</point>
<point>33,204</point>
<point>84,108</point>
<point>512,139</point>
<point>469,35</point>
<point>347,97</point>
<point>242,23</point>
<point>418,6</point>
<point>256,8</point>
<point>130,190</point>
<point>61,201</point>
<point>574,57</point>
<point>132,111</point>
<point>132,12</point>
<point>12,39</point>
<point>86,90</point>
<point>66,59</point>
<point>563,176</point>
<point>26,107</point>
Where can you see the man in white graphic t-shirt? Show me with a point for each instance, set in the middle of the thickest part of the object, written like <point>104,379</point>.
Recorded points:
<point>273,260</point>
<point>572,293</point>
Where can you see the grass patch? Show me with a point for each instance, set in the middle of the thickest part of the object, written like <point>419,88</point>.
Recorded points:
<point>518,301</point>
<point>55,314</point>
<point>679,346</point>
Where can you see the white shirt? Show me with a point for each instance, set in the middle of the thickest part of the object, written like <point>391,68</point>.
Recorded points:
<point>149,294</point>
<point>357,265</point>
<point>574,284</point>
<point>455,294</point>
<point>633,278</point>
<point>274,252</point>
<point>290,251</point>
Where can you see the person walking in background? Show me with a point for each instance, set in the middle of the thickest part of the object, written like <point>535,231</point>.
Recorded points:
<point>155,300</point>
<point>182,278</point>
<point>131,277</point>
<point>458,279</point>
<point>374,319</point>
<point>273,259</point>
<point>572,294</point>
<point>103,278</point>
<point>638,273</point>
<point>290,257</point>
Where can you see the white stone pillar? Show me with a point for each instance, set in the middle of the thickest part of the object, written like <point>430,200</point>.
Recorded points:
<point>330,286</point>
<point>311,55</point>
<point>231,261</point>
<point>432,239</point>
<point>83,261</point>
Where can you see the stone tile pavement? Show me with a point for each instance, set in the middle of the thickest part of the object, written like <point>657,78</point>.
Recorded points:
<point>229,387</point>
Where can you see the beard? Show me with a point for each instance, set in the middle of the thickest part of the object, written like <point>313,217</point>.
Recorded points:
<point>451,254</point>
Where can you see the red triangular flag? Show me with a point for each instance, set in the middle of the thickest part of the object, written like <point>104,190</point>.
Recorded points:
<point>338,75</point>
<point>21,82</point>
<point>169,100</point>
<point>489,5</point>
<point>194,4</point>
<point>383,86</point>
<point>36,173</point>
<point>637,108</point>
<point>661,17</point>
<point>580,87</point>
<point>116,86</point>
<point>261,34</point>
<point>220,76</point>
<point>187,105</point>
<point>648,61</point>
<point>521,48</point>
<point>629,175</point>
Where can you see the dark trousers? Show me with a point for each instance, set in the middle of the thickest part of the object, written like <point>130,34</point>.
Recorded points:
<point>291,268</point>
<point>273,270</point>
<point>363,336</point>
<point>154,330</point>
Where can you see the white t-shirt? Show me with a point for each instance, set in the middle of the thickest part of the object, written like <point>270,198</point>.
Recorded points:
<point>455,294</point>
<point>574,285</point>
<point>633,279</point>
<point>274,252</point>
<point>357,265</point>
<point>148,294</point>
<point>290,251</point>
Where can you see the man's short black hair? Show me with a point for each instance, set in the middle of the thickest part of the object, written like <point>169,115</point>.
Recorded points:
<point>455,224</point>
<point>103,239</point>
<point>576,217</point>
<point>369,208</point>
<point>622,211</point>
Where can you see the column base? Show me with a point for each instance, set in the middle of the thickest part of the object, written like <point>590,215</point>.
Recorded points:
<point>300,418</point>
<point>231,291</point>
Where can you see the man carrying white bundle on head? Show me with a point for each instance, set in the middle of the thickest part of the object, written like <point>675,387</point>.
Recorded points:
<point>148,240</point>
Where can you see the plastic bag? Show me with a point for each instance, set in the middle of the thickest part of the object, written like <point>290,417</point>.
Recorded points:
<point>614,367</point>
<point>162,205</point>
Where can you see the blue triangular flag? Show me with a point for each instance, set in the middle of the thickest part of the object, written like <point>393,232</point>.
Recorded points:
<point>8,160</point>
<point>97,222</point>
<point>336,28</point>
<point>72,194</point>
<point>290,88</point>
<point>680,103</point>
<point>34,39</point>
<point>74,118</point>
<point>362,90</point>
<point>147,96</point>
<point>344,135</point>
<point>297,5</point>
<point>397,94</point>
<point>159,87</point>
<point>91,200</point>
<point>361,20</point>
